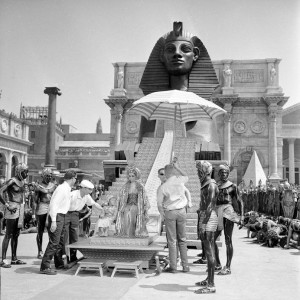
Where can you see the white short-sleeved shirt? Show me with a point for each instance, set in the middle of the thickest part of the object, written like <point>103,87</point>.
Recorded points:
<point>60,200</point>
<point>77,203</point>
<point>171,194</point>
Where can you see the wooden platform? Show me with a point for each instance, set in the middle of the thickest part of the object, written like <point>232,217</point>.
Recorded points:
<point>121,253</point>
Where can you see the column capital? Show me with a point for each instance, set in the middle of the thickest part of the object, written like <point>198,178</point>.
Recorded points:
<point>112,101</point>
<point>291,140</point>
<point>278,99</point>
<point>52,91</point>
<point>226,101</point>
<point>118,109</point>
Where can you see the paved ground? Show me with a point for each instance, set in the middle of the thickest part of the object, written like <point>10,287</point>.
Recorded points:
<point>257,273</point>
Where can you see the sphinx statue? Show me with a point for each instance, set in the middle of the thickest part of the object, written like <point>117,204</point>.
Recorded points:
<point>179,60</point>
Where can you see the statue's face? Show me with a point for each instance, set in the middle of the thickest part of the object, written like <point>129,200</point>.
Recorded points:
<point>47,178</point>
<point>179,57</point>
<point>223,175</point>
<point>201,175</point>
<point>131,177</point>
<point>23,174</point>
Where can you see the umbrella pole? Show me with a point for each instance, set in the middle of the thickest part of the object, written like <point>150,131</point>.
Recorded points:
<point>174,134</point>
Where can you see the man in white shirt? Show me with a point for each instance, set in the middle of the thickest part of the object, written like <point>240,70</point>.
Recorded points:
<point>58,208</point>
<point>172,203</point>
<point>79,198</point>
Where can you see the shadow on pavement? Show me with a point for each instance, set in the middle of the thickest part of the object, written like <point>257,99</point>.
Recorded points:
<point>27,270</point>
<point>295,253</point>
<point>168,287</point>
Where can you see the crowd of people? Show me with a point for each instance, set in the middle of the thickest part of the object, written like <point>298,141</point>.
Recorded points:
<point>62,209</point>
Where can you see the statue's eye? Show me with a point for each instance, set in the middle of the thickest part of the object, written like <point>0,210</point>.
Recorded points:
<point>186,48</point>
<point>169,49</point>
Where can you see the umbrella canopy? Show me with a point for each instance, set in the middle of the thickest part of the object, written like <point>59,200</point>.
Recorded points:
<point>174,104</point>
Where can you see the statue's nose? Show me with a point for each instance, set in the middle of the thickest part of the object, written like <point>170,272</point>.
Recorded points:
<point>177,52</point>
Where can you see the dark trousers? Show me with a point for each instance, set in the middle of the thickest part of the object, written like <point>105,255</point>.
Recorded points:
<point>41,224</point>
<point>12,234</point>
<point>71,231</point>
<point>56,243</point>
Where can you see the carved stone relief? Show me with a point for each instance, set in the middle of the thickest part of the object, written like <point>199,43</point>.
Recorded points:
<point>4,125</point>
<point>131,127</point>
<point>133,79</point>
<point>17,130</point>
<point>248,76</point>
<point>240,126</point>
<point>258,126</point>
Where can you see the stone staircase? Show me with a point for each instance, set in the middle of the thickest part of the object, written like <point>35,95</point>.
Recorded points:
<point>143,161</point>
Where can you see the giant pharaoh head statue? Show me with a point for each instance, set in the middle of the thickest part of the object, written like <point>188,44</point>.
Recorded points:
<point>202,77</point>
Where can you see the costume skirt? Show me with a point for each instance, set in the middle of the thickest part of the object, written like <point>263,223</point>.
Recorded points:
<point>103,222</point>
<point>226,211</point>
<point>212,223</point>
<point>8,215</point>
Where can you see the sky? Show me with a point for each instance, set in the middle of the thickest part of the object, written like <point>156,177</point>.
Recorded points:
<point>72,44</point>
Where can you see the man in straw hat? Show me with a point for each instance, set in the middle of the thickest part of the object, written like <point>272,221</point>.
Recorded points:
<point>79,198</point>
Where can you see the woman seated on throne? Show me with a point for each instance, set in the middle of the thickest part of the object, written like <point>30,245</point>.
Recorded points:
<point>132,215</point>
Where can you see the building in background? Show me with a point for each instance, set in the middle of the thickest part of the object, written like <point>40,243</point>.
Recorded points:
<point>291,143</point>
<point>14,143</point>
<point>250,93</point>
<point>83,151</point>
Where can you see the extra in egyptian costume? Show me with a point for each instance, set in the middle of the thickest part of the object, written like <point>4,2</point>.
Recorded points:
<point>132,215</point>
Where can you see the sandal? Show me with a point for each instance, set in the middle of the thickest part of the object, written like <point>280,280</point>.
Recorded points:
<point>206,290</point>
<point>224,271</point>
<point>200,261</point>
<point>4,265</point>
<point>218,268</point>
<point>202,283</point>
<point>18,262</point>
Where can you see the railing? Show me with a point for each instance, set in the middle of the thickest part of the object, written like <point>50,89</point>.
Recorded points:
<point>162,158</point>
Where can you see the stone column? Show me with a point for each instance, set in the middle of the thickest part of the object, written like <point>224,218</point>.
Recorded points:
<point>227,102</point>
<point>51,125</point>
<point>273,141</point>
<point>9,163</point>
<point>118,115</point>
<point>227,137</point>
<point>291,160</point>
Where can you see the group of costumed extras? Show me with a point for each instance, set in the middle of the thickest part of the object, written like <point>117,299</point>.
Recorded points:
<point>219,207</point>
<point>51,205</point>
<point>12,196</point>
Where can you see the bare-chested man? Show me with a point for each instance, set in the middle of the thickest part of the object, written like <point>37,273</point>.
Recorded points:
<point>208,222</point>
<point>43,193</point>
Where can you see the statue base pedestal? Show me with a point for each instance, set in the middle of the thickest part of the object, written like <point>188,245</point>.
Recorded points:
<point>227,90</point>
<point>120,241</point>
<point>273,90</point>
<point>118,92</point>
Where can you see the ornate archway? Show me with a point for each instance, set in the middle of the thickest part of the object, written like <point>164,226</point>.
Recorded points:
<point>242,158</point>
